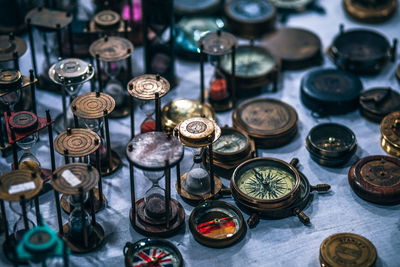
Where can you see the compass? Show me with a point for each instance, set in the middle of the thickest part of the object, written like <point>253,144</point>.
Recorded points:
<point>361,51</point>
<point>331,144</point>
<point>152,252</point>
<point>292,5</point>
<point>262,185</point>
<point>255,67</point>
<point>250,19</point>
<point>217,224</point>
<point>370,11</point>
<point>196,7</point>
<point>376,179</point>
<point>232,148</point>
<point>390,131</point>
<point>376,103</point>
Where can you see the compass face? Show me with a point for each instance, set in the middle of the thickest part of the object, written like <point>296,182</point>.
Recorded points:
<point>250,62</point>
<point>266,182</point>
<point>230,142</point>
<point>155,253</point>
<point>332,137</point>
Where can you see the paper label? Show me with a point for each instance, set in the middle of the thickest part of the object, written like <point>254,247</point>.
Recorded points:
<point>18,188</point>
<point>71,178</point>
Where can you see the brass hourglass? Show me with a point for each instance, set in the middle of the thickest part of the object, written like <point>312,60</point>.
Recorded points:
<point>94,108</point>
<point>110,53</point>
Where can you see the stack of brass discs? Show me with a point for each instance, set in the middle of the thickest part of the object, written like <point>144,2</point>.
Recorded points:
<point>347,249</point>
<point>376,103</point>
<point>270,122</point>
<point>93,105</point>
<point>197,132</point>
<point>370,11</point>
<point>145,87</point>
<point>390,131</point>
<point>181,109</point>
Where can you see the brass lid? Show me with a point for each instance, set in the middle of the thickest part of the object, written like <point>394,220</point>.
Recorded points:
<point>346,250</point>
<point>71,71</point>
<point>390,130</point>
<point>23,121</point>
<point>198,132</point>
<point>77,142</point>
<point>181,109</point>
<point>370,11</point>
<point>48,19</point>
<point>18,183</point>
<point>111,49</point>
<point>68,178</point>
<point>107,19</point>
<point>10,45</point>
<point>9,79</point>
<point>93,105</point>
<point>145,87</point>
<point>217,43</point>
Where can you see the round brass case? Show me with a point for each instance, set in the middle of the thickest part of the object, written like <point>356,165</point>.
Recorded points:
<point>370,11</point>
<point>390,131</point>
<point>376,103</point>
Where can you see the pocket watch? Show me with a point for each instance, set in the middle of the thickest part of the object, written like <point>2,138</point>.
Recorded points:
<point>196,7</point>
<point>264,185</point>
<point>361,51</point>
<point>217,224</point>
<point>152,252</point>
<point>376,179</point>
<point>250,18</point>
<point>370,11</point>
<point>390,131</point>
<point>331,144</point>
<point>347,249</point>
<point>270,122</point>
<point>254,67</point>
<point>330,91</point>
<point>189,31</point>
<point>296,48</point>
<point>181,109</point>
<point>376,103</point>
<point>232,148</point>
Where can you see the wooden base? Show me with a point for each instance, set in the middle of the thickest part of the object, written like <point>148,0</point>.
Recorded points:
<point>115,164</point>
<point>194,200</point>
<point>147,228</point>
<point>95,239</point>
<point>98,205</point>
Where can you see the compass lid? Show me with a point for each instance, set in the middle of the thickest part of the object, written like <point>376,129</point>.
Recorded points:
<point>71,71</point>
<point>370,11</point>
<point>145,87</point>
<point>390,128</point>
<point>69,178</point>
<point>19,183</point>
<point>10,45</point>
<point>198,132</point>
<point>217,43</point>
<point>111,48</point>
<point>93,105</point>
<point>376,103</point>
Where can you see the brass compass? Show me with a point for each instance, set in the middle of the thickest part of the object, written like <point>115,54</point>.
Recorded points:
<point>390,131</point>
<point>370,11</point>
<point>376,103</point>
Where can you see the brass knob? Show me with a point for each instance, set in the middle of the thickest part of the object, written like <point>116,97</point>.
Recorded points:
<point>321,188</point>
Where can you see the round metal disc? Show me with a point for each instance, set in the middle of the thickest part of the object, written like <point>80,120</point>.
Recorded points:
<point>347,249</point>
<point>17,183</point>
<point>71,70</point>
<point>390,128</point>
<point>198,132</point>
<point>217,43</point>
<point>107,19</point>
<point>111,49</point>
<point>23,121</point>
<point>49,19</point>
<point>77,142</point>
<point>72,176</point>
<point>146,86</point>
<point>92,105</point>
<point>9,78</point>
<point>149,151</point>
<point>10,46</point>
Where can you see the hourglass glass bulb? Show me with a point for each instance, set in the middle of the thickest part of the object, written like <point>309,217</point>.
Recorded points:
<point>93,124</point>
<point>197,180</point>
<point>28,161</point>
<point>73,89</point>
<point>11,99</point>
<point>149,123</point>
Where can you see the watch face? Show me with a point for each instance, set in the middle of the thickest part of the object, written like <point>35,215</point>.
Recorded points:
<point>251,10</point>
<point>251,61</point>
<point>266,181</point>
<point>230,142</point>
<point>155,253</point>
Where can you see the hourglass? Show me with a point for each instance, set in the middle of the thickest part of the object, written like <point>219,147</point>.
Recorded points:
<point>18,186</point>
<point>199,183</point>
<point>94,108</point>
<point>11,49</point>
<point>156,213</point>
<point>217,45</point>
<point>81,233</point>
<point>147,88</point>
<point>41,246</point>
<point>108,22</point>
<point>109,53</point>
<point>78,145</point>
<point>71,74</point>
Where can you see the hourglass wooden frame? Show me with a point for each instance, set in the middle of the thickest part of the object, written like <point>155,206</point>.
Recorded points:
<point>146,160</point>
<point>91,144</point>
<point>93,50</point>
<point>7,87</point>
<point>25,185</point>
<point>97,105</point>
<point>78,170</point>
<point>201,141</point>
<point>208,47</point>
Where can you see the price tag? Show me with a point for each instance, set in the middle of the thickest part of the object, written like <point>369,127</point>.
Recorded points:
<point>71,178</point>
<point>18,188</point>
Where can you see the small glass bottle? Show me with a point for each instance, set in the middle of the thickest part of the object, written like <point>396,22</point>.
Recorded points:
<point>197,180</point>
<point>218,87</point>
